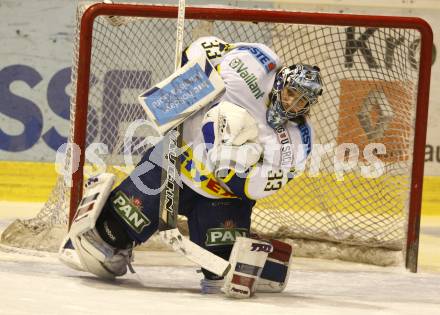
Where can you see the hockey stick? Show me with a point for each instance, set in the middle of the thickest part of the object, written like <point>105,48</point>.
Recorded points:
<point>169,197</point>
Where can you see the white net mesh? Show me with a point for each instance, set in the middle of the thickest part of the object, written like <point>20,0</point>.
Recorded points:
<point>370,86</point>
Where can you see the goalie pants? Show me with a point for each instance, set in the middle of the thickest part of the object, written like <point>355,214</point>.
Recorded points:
<point>213,223</point>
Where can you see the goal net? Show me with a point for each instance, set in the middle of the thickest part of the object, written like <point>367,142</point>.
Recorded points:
<point>376,81</point>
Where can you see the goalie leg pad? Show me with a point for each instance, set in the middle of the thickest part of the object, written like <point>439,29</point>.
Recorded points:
<point>276,271</point>
<point>68,255</point>
<point>95,255</point>
<point>247,260</point>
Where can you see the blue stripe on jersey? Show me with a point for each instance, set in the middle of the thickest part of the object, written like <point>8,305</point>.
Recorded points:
<point>237,185</point>
<point>306,136</point>
<point>274,271</point>
<point>264,59</point>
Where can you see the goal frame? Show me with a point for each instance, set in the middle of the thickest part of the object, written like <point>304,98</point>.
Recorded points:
<point>235,14</point>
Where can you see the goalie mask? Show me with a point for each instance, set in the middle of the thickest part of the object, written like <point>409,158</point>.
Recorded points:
<point>295,89</point>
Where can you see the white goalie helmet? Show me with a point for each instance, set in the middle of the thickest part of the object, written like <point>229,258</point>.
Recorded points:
<point>295,89</point>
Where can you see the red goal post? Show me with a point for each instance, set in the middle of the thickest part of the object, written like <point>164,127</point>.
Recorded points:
<point>226,14</point>
<point>357,54</point>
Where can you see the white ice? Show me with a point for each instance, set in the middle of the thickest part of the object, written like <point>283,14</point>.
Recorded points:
<point>165,283</point>
<point>39,284</point>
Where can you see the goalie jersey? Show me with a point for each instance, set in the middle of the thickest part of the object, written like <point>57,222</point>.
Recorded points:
<point>248,71</point>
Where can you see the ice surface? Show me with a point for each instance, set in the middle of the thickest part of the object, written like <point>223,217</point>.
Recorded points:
<point>165,283</point>
<point>32,284</point>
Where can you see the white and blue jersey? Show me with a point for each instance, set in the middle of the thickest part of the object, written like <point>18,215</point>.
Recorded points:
<point>218,210</point>
<point>248,71</point>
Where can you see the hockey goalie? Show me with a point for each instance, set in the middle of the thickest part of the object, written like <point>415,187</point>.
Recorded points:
<point>244,146</point>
